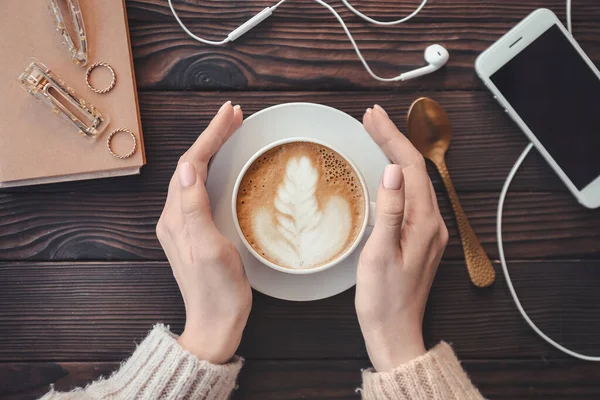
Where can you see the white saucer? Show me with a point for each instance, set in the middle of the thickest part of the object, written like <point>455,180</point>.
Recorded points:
<point>266,126</point>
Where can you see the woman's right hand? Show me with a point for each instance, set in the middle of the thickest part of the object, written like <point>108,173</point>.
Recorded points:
<point>206,265</point>
<point>400,259</point>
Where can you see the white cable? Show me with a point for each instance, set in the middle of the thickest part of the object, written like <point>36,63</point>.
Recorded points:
<point>376,22</point>
<point>356,49</point>
<point>569,26</point>
<point>269,10</point>
<point>509,283</point>
<point>198,38</point>
<point>511,288</point>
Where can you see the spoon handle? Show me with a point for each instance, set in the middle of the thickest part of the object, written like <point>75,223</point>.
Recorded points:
<point>479,266</point>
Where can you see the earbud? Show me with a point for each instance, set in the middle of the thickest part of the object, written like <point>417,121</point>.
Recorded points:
<point>436,57</point>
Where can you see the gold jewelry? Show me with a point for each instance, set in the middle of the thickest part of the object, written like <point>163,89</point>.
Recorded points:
<point>110,150</point>
<point>112,72</point>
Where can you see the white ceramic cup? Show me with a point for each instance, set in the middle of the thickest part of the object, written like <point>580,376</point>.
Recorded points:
<point>369,214</point>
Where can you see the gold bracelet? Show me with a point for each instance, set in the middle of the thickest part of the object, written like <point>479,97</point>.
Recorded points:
<point>109,140</point>
<point>112,72</point>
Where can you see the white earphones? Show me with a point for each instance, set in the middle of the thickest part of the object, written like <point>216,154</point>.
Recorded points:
<point>436,56</point>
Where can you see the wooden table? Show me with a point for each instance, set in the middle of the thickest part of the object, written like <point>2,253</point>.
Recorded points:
<point>82,275</point>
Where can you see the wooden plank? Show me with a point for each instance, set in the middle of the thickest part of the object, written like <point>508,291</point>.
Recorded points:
<point>80,226</point>
<point>460,10</point>
<point>304,35</point>
<point>495,379</point>
<point>96,311</point>
<point>33,380</point>
<point>300,55</point>
<point>484,147</point>
<point>121,226</point>
<point>329,379</point>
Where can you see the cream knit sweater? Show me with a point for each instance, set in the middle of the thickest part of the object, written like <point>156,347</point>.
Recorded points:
<point>161,369</point>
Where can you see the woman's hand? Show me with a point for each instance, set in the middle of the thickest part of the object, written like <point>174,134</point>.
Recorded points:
<point>206,265</point>
<point>400,259</point>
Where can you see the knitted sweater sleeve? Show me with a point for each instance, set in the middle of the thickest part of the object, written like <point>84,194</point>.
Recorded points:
<point>437,375</point>
<point>161,369</point>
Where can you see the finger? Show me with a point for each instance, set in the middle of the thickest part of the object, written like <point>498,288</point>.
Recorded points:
<point>169,218</point>
<point>390,207</point>
<point>393,143</point>
<point>434,199</point>
<point>238,117</point>
<point>172,202</point>
<point>418,196</point>
<point>195,205</point>
<point>173,188</point>
<point>436,206</point>
<point>213,136</point>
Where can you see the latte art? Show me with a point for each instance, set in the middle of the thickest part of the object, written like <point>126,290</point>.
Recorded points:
<point>300,205</point>
<point>302,236</point>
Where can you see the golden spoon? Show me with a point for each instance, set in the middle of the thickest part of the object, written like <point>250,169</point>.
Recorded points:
<point>429,131</point>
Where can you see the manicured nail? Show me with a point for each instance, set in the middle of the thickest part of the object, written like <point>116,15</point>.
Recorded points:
<point>187,175</point>
<point>379,108</point>
<point>236,107</point>
<point>392,177</point>
<point>368,111</point>
<point>228,102</point>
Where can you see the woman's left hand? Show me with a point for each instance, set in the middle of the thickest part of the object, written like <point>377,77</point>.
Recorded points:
<point>206,265</point>
<point>400,259</point>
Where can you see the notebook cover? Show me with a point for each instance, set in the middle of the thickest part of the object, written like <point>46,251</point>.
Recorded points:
<point>36,145</point>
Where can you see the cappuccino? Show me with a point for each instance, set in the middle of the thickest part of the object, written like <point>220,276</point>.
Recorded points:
<point>300,205</point>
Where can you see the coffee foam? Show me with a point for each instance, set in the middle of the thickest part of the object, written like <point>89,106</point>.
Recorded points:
<point>300,205</point>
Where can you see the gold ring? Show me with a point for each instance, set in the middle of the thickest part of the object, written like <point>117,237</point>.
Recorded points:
<point>110,150</point>
<point>112,72</point>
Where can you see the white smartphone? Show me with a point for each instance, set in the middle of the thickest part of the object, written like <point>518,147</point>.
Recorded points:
<point>551,89</point>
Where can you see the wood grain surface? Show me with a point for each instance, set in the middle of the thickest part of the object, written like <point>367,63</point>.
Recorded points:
<point>96,311</point>
<point>121,226</point>
<point>309,10</point>
<point>291,55</point>
<point>325,379</point>
<point>302,45</point>
<point>484,138</point>
<point>83,278</point>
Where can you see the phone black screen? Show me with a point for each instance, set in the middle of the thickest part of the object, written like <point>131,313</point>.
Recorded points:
<point>557,95</point>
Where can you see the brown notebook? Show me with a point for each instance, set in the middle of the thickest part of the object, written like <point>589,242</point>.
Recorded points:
<point>36,145</point>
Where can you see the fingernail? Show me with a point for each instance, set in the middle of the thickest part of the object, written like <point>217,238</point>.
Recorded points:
<point>228,102</point>
<point>392,177</point>
<point>236,107</point>
<point>379,108</point>
<point>187,175</point>
<point>368,111</point>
